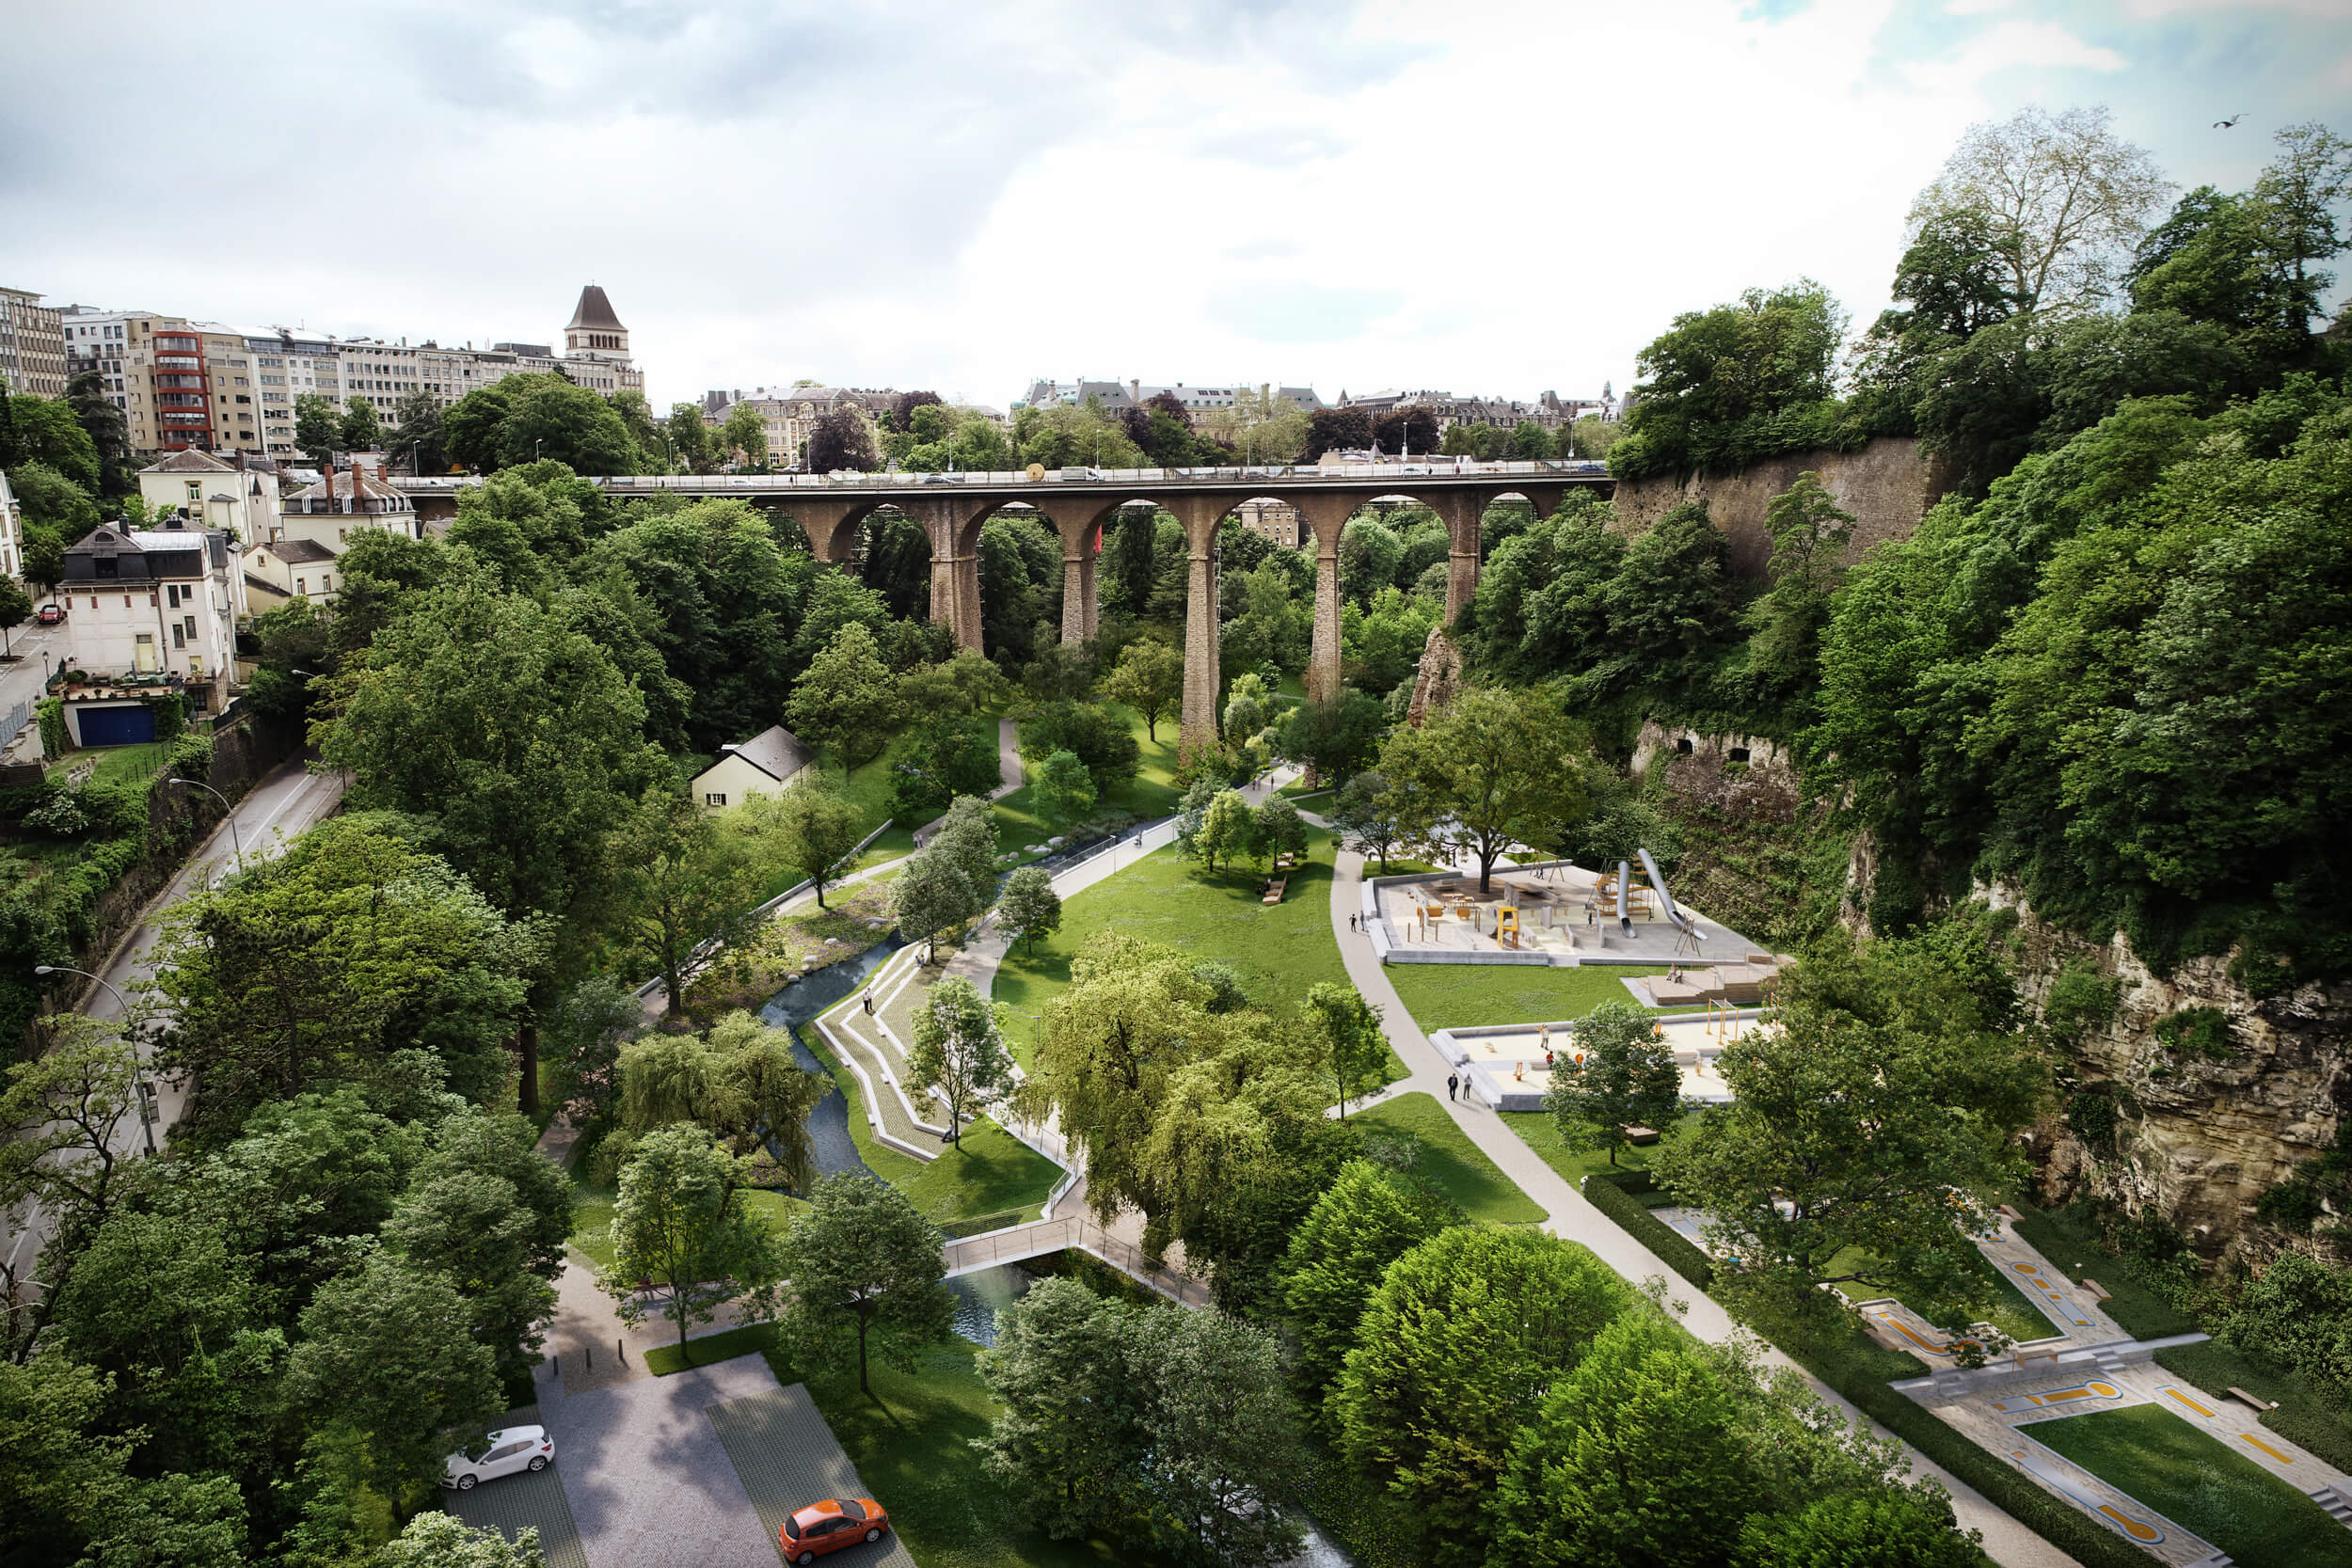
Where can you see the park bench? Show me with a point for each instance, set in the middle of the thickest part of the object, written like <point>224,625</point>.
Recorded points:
<point>1273,890</point>
<point>1641,1137</point>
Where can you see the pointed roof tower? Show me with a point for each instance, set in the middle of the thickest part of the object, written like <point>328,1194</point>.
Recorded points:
<point>594,313</point>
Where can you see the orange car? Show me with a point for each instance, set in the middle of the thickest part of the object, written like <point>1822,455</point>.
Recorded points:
<point>829,1526</point>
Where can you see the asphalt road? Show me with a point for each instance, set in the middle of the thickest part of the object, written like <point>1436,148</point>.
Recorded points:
<point>287,802</point>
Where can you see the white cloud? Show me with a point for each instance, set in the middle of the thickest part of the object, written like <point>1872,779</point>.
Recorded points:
<point>1494,195</point>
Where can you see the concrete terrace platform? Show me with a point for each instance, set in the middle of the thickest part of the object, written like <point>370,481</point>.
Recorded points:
<point>1562,917</point>
<point>1505,1063</point>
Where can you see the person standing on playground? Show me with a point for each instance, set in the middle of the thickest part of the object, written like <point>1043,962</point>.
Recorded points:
<point>1453,1082</point>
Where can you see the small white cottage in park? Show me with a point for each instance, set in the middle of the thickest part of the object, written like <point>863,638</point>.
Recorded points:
<point>763,765</point>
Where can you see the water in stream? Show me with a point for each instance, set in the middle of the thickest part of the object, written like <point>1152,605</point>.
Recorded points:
<point>799,1004</point>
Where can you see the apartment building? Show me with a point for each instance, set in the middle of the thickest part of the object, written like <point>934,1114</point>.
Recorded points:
<point>11,532</point>
<point>315,526</point>
<point>32,345</point>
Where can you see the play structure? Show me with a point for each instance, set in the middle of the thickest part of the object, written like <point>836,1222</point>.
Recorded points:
<point>1548,912</point>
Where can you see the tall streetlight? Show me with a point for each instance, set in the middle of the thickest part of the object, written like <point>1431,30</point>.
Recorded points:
<point>146,1091</point>
<point>225,806</point>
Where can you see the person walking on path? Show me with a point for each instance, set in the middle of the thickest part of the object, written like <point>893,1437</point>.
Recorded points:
<point>1453,1082</point>
<point>869,1000</point>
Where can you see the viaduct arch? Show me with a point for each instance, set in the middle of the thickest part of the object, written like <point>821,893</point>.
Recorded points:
<point>952,510</point>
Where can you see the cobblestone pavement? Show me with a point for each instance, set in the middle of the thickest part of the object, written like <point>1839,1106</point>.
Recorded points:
<point>515,1503</point>
<point>786,1457</point>
<point>647,1479</point>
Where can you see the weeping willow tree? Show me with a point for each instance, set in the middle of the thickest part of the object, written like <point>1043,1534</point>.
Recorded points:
<point>738,1082</point>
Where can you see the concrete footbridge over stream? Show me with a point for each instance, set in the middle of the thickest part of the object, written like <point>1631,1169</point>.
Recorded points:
<point>1077,503</point>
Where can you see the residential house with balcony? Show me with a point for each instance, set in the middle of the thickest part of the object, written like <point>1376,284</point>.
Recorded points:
<point>150,612</point>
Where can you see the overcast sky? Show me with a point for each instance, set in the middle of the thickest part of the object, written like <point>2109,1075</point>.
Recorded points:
<point>1487,198</point>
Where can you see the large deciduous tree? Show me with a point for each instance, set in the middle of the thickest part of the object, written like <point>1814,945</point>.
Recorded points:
<point>1342,1032</point>
<point>693,883</point>
<point>1490,769</point>
<point>1029,908</point>
<point>959,1051</point>
<point>866,1269</point>
<point>841,439</point>
<point>1618,1074</point>
<point>1369,1217</point>
<point>1869,1121</point>
<point>813,826</point>
<point>680,1224</point>
<point>1150,678</point>
<point>846,700</point>
<point>738,1083</point>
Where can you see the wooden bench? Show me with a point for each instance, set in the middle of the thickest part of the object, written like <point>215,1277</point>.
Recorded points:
<point>2238,1393</point>
<point>1274,891</point>
<point>1641,1137</point>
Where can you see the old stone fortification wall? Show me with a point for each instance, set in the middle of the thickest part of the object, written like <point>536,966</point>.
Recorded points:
<point>2198,1140</point>
<point>1888,486</point>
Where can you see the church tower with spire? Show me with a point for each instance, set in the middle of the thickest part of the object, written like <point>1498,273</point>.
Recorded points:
<point>595,346</point>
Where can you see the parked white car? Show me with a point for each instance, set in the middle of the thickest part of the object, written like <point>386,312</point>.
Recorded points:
<point>501,1453</point>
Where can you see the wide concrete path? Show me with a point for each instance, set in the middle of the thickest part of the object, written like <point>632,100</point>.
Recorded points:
<point>1569,1214</point>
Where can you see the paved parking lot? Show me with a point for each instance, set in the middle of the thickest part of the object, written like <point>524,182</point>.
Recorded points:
<point>515,1503</point>
<point>649,1485</point>
<point>786,1458</point>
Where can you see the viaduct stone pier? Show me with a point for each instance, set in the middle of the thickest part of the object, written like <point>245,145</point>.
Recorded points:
<point>1077,503</point>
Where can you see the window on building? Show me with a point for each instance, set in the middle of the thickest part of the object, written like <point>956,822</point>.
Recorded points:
<point>302,586</point>
<point>714,798</point>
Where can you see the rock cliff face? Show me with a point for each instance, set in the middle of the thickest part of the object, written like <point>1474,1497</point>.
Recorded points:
<point>2199,1135</point>
<point>1437,679</point>
<point>1887,485</point>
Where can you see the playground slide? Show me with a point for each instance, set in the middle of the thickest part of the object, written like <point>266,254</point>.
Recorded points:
<point>1665,899</point>
<point>1625,896</point>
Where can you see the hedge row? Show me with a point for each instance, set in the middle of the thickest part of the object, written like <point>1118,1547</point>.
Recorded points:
<point>1607,1193</point>
<point>1858,1372</point>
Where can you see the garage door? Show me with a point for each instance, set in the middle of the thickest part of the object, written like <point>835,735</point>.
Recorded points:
<point>117,726</point>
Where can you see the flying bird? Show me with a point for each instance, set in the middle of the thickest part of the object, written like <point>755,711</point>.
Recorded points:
<point>2225,124</point>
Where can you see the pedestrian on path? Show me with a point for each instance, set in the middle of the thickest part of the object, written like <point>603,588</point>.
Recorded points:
<point>869,1000</point>
<point>1453,1082</point>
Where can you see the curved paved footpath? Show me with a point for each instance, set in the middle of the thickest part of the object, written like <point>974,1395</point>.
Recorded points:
<point>1570,1215</point>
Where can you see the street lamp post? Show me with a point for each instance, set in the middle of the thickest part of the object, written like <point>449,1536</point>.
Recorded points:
<point>146,1091</point>
<point>233,843</point>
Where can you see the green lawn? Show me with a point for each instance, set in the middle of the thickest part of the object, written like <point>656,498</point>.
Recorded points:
<point>1541,1134</point>
<point>2200,1484</point>
<point>1457,996</point>
<point>2002,1305</point>
<point>114,764</point>
<point>994,1172</point>
<point>2070,1239</point>
<point>912,1444</point>
<point>1457,1166</point>
<point>1151,793</point>
<point>1278,952</point>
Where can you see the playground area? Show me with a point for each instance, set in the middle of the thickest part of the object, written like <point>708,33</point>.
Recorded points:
<point>1557,913</point>
<point>1510,1067</point>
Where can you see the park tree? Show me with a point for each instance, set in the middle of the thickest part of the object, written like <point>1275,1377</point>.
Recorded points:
<point>1063,791</point>
<point>1226,830</point>
<point>1372,818</point>
<point>581,1037</point>
<point>813,827</point>
<point>53,507</point>
<point>1725,386</point>
<point>966,837</point>
<point>360,429</point>
<point>416,435</point>
<point>1276,829</point>
<point>520,740</point>
<point>436,1540</point>
<point>1064,1441</point>
<point>1334,736</point>
<point>958,1051</point>
<point>1370,554</point>
<point>387,1356</point>
<point>1636,1455</point>
<point>1368,1218</point>
<point>328,962</point>
<point>866,1269</point>
<point>49,431</point>
<point>738,1083</point>
<point>961,687</point>
<point>469,1228</point>
<point>692,882</point>
<point>1342,1032</point>
<point>549,418</point>
<point>1093,732</point>
<point>680,1221</point>
<point>940,759</point>
<point>1809,531</point>
<point>930,896</point>
<point>1531,442</point>
<point>318,426</point>
<point>1864,1128</point>
<point>1249,708</point>
<point>1336,430</point>
<point>109,434</point>
<point>1454,1355</point>
<point>1618,1075</point>
<point>637,417</point>
<point>1150,678</point>
<point>1874,1527</point>
<point>846,700</point>
<point>687,440</point>
<point>841,439</point>
<point>1221,1457</point>
<point>1029,908</point>
<point>1491,767</point>
<point>62,1110</point>
<point>2063,199</point>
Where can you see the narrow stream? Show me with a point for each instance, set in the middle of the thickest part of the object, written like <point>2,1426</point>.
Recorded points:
<point>800,1003</point>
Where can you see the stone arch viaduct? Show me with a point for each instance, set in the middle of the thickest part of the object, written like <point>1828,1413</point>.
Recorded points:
<point>1076,505</point>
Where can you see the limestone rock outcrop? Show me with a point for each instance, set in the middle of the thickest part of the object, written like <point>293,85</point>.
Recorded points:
<point>1438,677</point>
